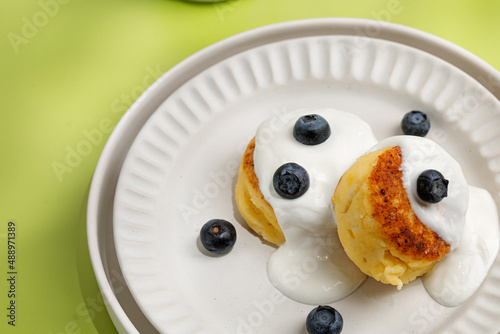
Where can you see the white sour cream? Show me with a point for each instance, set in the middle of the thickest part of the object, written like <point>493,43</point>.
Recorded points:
<point>460,273</point>
<point>311,266</point>
<point>447,217</point>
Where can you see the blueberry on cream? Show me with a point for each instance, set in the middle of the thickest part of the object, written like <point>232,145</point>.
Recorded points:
<point>307,222</point>
<point>321,258</point>
<point>432,187</point>
<point>291,180</point>
<point>311,129</point>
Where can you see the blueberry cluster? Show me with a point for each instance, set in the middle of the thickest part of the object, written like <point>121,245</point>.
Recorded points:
<point>292,180</point>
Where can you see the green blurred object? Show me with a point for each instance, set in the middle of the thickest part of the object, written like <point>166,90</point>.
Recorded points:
<point>70,70</point>
<point>207,1</point>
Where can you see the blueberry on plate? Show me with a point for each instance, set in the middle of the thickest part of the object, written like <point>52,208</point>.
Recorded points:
<point>291,180</point>
<point>218,236</point>
<point>415,123</point>
<point>311,130</point>
<point>432,187</point>
<point>324,320</point>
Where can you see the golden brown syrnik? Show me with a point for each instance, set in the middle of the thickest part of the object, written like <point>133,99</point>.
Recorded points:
<point>256,211</point>
<point>377,226</point>
<point>284,180</point>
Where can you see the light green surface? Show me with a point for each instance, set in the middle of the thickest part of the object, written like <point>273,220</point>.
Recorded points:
<point>70,68</point>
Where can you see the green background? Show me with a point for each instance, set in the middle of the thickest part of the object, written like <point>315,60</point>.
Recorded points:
<point>72,67</point>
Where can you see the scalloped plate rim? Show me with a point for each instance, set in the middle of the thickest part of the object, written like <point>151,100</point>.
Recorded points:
<point>104,179</point>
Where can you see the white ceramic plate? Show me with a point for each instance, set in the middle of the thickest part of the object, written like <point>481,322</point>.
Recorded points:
<point>181,170</point>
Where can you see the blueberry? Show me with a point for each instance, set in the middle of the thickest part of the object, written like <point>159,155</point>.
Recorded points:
<point>218,236</point>
<point>311,130</point>
<point>415,123</point>
<point>432,187</point>
<point>291,180</point>
<point>324,320</point>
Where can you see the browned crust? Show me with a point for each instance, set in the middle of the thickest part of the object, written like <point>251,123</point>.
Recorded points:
<point>253,207</point>
<point>392,209</point>
<point>248,167</point>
